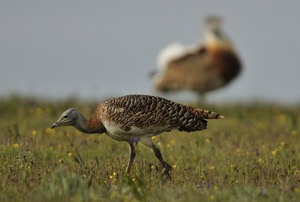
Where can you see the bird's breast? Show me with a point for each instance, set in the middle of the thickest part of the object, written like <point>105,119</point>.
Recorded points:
<point>121,133</point>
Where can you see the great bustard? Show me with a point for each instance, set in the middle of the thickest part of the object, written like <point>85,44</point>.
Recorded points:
<point>201,67</point>
<point>134,118</point>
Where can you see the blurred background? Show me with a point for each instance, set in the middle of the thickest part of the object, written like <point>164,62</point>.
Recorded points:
<point>94,49</point>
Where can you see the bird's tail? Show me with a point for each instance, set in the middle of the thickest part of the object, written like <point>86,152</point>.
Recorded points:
<point>206,114</point>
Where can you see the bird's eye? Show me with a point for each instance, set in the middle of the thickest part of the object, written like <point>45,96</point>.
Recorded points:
<point>66,116</point>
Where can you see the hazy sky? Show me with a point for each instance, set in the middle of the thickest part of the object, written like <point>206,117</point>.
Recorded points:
<point>106,48</point>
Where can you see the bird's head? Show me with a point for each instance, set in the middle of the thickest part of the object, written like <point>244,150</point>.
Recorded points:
<point>67,118</point>
<point>213,23</point>
<point>214,37</point>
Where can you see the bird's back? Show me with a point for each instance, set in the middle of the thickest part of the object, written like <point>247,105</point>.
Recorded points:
<point>199,70</point>
<point>146,114</point>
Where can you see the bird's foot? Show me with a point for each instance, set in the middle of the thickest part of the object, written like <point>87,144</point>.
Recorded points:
<point>166,171</point>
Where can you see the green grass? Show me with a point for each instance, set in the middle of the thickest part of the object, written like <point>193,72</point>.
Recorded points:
<point>252,155</point>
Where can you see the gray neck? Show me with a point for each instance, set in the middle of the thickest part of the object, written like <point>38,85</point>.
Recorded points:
<point>85,126</point>
<point>81,124</point>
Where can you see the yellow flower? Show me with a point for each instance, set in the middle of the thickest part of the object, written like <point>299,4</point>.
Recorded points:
<point>212,168</point>
<point>274,152</point>
<point>207,140</point>
<point>212,197</point>
<point>294,133</point>
<point>16,145</point>
<point>113,176</point>
<point>260,161</point>
<point>49,131</point>
<point>33,133</point>
<point>69,154</point>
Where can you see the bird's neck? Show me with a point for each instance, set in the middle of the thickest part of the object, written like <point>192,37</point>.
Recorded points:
<point>89,126</point>
<point>217,39</point>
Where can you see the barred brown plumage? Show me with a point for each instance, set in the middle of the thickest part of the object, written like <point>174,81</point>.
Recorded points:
<point>135,118</point>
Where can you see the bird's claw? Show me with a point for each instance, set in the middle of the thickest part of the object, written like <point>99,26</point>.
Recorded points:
<point>166,171</point>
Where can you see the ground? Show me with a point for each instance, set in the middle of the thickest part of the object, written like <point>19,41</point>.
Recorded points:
<point>251,155</point>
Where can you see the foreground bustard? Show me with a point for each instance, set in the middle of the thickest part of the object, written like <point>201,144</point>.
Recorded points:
<point>134,118</point>
<point>200,68</point>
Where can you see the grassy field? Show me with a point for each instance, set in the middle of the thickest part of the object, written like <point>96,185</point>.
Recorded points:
<point>252,155</point>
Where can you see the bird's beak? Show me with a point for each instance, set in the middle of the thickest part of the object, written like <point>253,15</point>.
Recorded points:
<point>54,125</point>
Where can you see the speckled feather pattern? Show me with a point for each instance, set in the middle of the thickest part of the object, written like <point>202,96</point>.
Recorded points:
<point>144,111</point>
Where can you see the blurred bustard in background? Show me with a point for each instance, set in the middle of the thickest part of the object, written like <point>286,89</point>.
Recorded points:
<point>200,68</point>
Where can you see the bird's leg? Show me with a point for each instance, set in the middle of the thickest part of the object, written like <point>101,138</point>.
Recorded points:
<point>132,155</point>
<point>166,167</point>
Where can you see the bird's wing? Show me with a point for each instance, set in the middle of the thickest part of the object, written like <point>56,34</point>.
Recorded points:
<point>175,51</point>
<point>168,54</point>
<point>193,70</point>
<point>151,114</point>
<point>137,111</point>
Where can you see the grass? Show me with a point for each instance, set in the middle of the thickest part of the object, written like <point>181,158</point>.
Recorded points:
<point>252,155</point>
